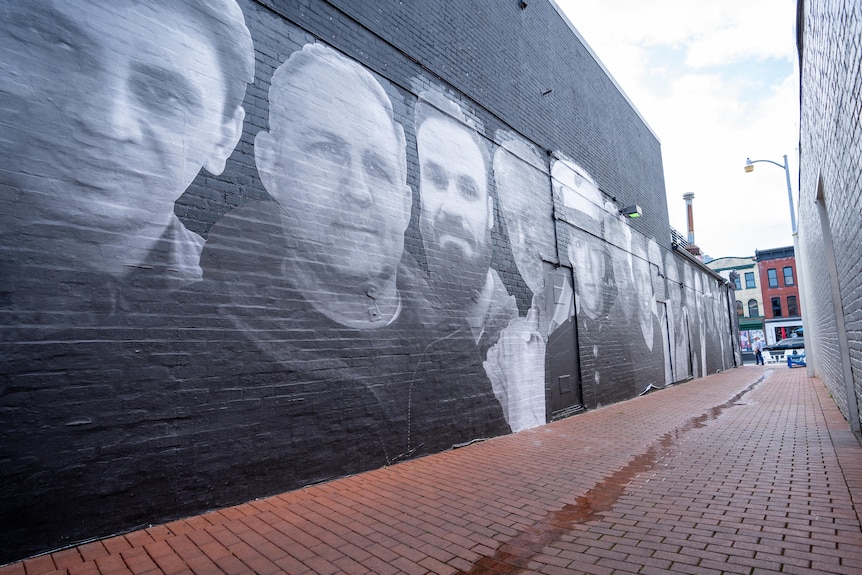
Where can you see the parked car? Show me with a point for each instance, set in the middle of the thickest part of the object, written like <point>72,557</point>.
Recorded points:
<point>786,343</point>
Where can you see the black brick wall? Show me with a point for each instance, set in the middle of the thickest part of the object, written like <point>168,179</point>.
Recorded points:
<point>171,410</point>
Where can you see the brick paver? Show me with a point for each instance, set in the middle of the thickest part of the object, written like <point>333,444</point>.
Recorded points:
<point>749,471</point>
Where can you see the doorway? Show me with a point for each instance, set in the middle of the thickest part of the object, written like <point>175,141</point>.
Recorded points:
<point>562,368</point>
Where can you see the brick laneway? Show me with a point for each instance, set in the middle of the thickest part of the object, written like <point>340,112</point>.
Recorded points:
<point>750,471</point>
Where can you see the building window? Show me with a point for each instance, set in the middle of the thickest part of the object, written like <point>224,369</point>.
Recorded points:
<point>749,280</point>
<point>772,277</point>
<point>776,307</point>
<point>736,283</point>
<point>788,278</point>
<point>753,310</point>
<point>739,309</point>
<point>792,307</point>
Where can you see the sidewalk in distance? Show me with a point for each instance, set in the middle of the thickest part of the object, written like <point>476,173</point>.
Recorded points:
<point>749,471</point>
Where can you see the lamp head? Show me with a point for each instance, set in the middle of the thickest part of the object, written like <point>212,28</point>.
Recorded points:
<point>749,165</point>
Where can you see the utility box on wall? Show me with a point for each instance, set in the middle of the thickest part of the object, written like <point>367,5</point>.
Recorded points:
<point>250,246</point>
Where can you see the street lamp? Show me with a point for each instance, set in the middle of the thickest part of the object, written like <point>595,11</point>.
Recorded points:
<point>749,167</point>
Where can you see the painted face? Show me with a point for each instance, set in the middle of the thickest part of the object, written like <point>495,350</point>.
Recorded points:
<point>333,162</point>
<point>108,110</point>
<point>580,193</point>
<point>456,211</point>
<point>586,254</point>
<point>522,189</point>
<point>643,286</point>
<point>673,290</point>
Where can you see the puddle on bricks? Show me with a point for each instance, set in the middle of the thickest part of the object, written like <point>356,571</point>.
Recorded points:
<point>514,555</point>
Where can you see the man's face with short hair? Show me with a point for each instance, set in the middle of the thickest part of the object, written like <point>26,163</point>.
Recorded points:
<point>521,189</point>
<point>644,296</point>
<point>587,256</point>
<point>108,110</point>
<point>334,164</point>
<point>587,249</point>
<point>456,210</point>
<point>673,289</point>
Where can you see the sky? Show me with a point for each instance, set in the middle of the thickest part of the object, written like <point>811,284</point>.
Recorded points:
<point>718,83</point>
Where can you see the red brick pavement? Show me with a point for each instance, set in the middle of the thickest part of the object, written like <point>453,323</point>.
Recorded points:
<point>750,471</point>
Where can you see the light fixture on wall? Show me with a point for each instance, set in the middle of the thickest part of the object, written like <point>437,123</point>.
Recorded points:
<point>633,211</point>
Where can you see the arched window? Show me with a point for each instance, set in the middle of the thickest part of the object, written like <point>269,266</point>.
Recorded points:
<point>753,310</point>
<point>739,311</point>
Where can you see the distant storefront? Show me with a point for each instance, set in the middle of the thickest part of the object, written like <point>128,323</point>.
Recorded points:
<point>778,329</point>
<point>749,328</point>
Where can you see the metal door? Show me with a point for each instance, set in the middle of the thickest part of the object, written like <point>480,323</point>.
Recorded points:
<point>563,387</point>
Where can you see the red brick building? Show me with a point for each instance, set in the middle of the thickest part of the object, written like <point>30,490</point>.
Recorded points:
<point>779,284</point>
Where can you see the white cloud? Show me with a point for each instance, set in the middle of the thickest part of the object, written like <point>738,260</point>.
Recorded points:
<point>717,83</point>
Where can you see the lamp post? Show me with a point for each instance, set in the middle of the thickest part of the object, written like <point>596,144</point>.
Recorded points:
<point>749,167</point>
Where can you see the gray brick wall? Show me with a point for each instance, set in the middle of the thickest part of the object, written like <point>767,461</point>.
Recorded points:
<point>829,184</point>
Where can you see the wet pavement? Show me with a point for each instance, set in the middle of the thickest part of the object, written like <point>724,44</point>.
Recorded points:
<point>751,471</point>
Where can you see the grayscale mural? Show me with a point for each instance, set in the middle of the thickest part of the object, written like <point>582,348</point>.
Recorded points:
<point>516,363</point>
<point>600,271</point>
<point>107,120</point>
<point>237,260</point>
<point>108,112</point>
